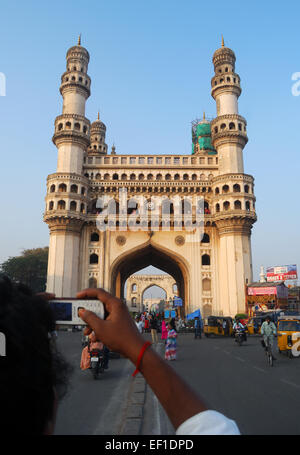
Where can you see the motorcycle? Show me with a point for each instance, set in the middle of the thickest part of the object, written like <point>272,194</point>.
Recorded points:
<point>97,362</point>
<point>240,336</point>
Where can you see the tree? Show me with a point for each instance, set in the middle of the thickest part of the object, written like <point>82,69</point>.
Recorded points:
<point>30,268</point>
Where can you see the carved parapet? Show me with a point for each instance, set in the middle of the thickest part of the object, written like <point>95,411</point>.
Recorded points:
<point>64,225</point>
<point>229,128</point>
<point>235,222</point>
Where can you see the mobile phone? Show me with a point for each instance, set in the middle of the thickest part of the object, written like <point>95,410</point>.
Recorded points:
<point>66,310</point>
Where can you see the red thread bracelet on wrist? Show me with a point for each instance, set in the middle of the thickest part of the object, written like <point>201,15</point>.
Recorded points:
<point>146,345</point>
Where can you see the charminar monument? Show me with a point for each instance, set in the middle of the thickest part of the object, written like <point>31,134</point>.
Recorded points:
<point>210,270</point>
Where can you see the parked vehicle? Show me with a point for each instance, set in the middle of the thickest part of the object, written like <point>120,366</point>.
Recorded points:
<point>288,334</point>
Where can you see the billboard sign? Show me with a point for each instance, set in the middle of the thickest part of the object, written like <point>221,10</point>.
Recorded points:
<point>286,272</point>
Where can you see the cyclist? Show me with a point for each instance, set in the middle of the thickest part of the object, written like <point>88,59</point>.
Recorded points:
<point>268,331</point>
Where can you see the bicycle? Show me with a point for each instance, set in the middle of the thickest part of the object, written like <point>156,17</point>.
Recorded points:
<point>269,354</point>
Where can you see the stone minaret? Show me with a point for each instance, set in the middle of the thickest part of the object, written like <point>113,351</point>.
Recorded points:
<point>66,200</point>
<point>234,200</point>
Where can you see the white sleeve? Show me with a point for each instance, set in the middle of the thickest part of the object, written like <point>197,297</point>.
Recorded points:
<point>208,423</point>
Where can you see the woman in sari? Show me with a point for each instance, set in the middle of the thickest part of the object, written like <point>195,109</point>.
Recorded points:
<point>171,344</point>
<point>85,356</point>
<point>164,331</point>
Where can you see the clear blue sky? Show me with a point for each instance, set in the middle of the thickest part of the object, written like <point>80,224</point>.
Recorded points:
<point>151,69</point>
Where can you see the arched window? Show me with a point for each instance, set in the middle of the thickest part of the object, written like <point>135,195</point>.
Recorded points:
<point>237,205</point>
<point>176,177</point>
<point>225,189</point>
<point>141,176</point>
<point>60,127</point>
<point>82,191</point>
<point>206,208</point>
<point>236,188</point>
<point>206,284</point>
<point>115,177</point>
<point>217,191</point>
<point>61,205</point>
<point>52,189</point>
<point>150,177</point>
<point>62,188</point>
<point>231,126</point>
<point>194,177</point>
<point>51,205</point>
<point>132,176</point>
<point>223,126</point>
<point>95,237</point>
<point>94,258</point>
<point>77,126</point>
<point>168,177</point>
<point>248,206</point>
<point>205,238</point>
<point>106,176</point>
<point>205,259</point>
<point>82,208</point>
<point>246,188</point>
<point>133,287</point>
<point>74,189</point>
<point>175,288</point>
<point>68,125</point>
<point>226,205</point>
<point>185,177</point>
<point>73,206</point>
<point>93,283</point>
<point>98,176</point>
<point>124,177</point>
<point>159,177</point>
<point>217,208</point>
<point>133,302</point>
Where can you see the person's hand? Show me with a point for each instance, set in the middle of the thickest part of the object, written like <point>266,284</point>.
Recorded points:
<point>118,331</point>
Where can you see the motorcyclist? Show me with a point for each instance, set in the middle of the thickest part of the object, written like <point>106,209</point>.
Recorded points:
<point>239,327</point>
<point>268,331</point>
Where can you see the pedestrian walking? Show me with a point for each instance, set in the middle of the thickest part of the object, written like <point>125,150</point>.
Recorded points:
<point>153,328</point>
<point>164,331</point>
<point>139,324</point>
<point>171,344</point>
<point>197,327</point>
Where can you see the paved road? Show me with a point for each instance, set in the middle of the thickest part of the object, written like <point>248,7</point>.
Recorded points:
<point>233,380</point>
<point>92,407</point>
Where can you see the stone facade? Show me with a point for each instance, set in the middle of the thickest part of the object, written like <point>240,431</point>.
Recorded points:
<point>210,272</point>
<point>138,284</point>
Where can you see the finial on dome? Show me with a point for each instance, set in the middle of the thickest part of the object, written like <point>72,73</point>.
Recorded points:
<point>223,41</point>
<point>98,115</point>
<point>79,40</point>
<point>203,115</point>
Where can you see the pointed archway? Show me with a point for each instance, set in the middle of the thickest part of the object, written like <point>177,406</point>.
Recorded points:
<point>139,258</point>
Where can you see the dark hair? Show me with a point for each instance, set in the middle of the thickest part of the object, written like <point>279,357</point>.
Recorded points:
<point>172,324</point>
<point>32,370</point>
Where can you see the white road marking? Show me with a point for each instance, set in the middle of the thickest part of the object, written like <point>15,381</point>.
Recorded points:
<point>240,359</point>
<point>259,369</point>
<point>226,352</point>
<point>290,383</point>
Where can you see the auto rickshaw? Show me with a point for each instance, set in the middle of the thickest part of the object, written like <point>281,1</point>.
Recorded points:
<point>213,325</point>
<point>288,335</point>
<point>254,324</point>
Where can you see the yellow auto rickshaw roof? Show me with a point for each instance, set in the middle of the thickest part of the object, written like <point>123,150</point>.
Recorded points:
<point>289,318</point>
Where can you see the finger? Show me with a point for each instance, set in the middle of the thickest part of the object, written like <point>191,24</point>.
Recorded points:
<point>92,320</point>
<point>101,295</point>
